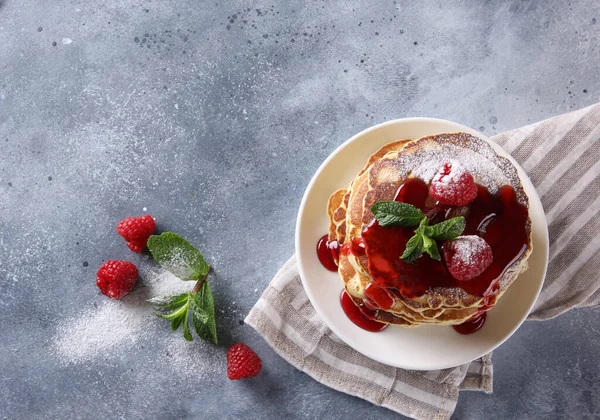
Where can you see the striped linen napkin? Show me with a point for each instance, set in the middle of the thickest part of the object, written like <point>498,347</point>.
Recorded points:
<point>562,157</point>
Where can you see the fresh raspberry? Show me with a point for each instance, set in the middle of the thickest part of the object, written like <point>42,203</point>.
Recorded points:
<point>136,246</point>
<point>116,278</point>
<point>242,362</point>
<point>467,256</point>
<point>453,185</point>
<point>136,231</point>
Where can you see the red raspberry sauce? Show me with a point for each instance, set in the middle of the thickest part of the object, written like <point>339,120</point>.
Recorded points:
<point>471,325</point>
<point>360,315</point>
<point>498,218</point>
<point>506,234</point>
<point>328,253</point>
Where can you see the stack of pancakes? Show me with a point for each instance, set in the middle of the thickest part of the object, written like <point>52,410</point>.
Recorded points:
<point>386,170</point>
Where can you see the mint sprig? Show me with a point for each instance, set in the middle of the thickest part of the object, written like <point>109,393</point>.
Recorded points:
<point>180,257</point>
<point>393,213</point>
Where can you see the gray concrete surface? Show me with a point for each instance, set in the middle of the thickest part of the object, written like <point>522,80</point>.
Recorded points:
<point>214,116</point>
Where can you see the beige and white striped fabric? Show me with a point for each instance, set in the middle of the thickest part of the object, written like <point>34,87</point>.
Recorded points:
<point>562,157</point>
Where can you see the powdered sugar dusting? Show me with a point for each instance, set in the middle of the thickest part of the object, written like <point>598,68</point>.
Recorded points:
<point>181,262</point>
<point>453,185</point>
<point>484,171</point>
<point>99,330</point>
<point>455,173</point>
<point>469,153</point>
<point>162,282</point>
<point>467,256</point>
<point>468,246</point>
<point>115,326</point>
<point>193,359</point>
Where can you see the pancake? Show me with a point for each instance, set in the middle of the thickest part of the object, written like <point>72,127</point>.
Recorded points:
<point>385,171</point>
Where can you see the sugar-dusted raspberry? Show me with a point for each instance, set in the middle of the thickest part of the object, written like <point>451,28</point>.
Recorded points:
<point>453,185</point>
<point>467,256</point>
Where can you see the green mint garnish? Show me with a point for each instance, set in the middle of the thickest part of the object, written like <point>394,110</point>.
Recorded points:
<point>429,245</point>
<point>166,303</point>
<point>178,256</point>
<point>419,243</point>
<point>179,304</point>
<point>203,316</point>
<point>414,249</point>
<point>448,229</point>
<point>392,213</point>
<point>183,260</point>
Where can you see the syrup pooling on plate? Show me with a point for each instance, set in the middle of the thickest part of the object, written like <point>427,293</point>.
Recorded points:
<point>327,252</point>
<point>360,315</point>
<point>499,219</point>
<point>471,325</point>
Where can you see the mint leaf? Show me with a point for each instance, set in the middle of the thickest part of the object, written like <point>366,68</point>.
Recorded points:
<point>178,316</point>
<point>173,315</point>
<point>394,213</point>
<point>179,304</point>
<point>430,247</point>
<point>186,328</point>
<point>414,249</point>
<point>446,230</point>
<point>198,313</point>
<point>177,322</point>
<point>169,302</point>
<point>206,328</point>
<point>178,256</point>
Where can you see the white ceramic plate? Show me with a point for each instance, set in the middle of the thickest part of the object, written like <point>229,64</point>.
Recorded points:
<point>424,347</point>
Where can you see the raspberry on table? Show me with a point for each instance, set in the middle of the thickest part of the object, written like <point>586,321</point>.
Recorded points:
<point>116,278</point>
<point>242,362</point>
<point>453,185</point>
<point>136,246</point>
<point>467,256</point>
<point>136,231</point>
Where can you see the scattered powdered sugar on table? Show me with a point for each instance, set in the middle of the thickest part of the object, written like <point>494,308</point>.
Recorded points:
<point>115,326</point>
<point>161,282</point>
<point>100,330</point>
<point>194,359</point>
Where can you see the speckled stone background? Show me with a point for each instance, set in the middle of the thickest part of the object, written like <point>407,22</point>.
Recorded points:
<point>213,116</point>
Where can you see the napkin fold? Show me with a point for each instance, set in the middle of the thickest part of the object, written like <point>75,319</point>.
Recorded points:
<point>561,155</point>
